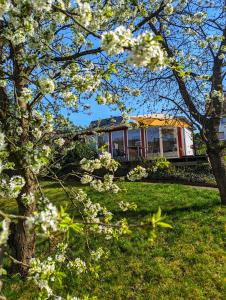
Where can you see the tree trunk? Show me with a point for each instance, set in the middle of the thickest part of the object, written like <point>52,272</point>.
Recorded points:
<point>218,164</point>
<point>23,238</point>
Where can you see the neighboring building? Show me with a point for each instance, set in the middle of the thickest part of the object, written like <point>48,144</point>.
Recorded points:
<point>222,129</point>
<point>146,137</point>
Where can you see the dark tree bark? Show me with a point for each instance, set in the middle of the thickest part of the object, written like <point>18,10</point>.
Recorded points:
<point>216,152</point>
<point>218,164</point>
<point>23,238</point>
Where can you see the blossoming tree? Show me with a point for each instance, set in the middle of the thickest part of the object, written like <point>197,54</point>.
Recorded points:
<point>193,84</point>
<point>55,54</point>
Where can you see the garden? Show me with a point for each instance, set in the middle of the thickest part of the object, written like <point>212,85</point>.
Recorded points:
<point>184,262</point>
<point>113,219</point>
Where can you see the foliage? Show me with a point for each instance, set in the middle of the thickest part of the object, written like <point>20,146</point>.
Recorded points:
<point>199,145</point>
<point>191,174</point>
<point>80,150</point>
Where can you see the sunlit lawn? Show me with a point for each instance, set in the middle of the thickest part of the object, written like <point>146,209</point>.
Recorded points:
<point>186,262</point>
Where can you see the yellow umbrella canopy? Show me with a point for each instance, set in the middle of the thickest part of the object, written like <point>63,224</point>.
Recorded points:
<point>161,121</point>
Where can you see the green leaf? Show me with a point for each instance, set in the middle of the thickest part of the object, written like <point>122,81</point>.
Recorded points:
<point>165,225</point>
<point>158,214</point>
<point>158,38</point>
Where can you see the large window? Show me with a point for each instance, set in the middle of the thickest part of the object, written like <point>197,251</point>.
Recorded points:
<point>103,141</point>
<point>118,144</point>
<point>169,142</point>
<point>134,143</point>
<point>153,142</point>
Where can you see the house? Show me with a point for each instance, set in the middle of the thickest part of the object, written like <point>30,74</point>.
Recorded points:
<point>145,136</point>
<point>222,129</point>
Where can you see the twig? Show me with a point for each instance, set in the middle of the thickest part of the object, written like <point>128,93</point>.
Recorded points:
<point>15,261</point>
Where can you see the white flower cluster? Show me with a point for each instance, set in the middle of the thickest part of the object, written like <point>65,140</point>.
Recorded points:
<point>104,161</point>
<point>107,185</point>
<point>26,95</point>
<point>84,12</point>
<point>2,141</point>
<point>42,5</point>
<point>61,252</point>
<point>198,18</point>
<point>147,52</point>
<point>90,165</point>
<point>202,44</point>
<point>168,9</point>
<point>47,220</point>
<point>127,205</point>
<point>3,83</point>
<point>37,156</point>
<point>114,42</point>
<point>28,199</point>
<point>47,85</point>
<point>37,133</point>
<point>4,231</point>
<point>77,264</point>
<point>79,195</point>
<point>137,173</point>
<point>98,254</point>
<point>217,94</point>
<point>59,142</point>
<point>107,98</point>
<point>93,212</point>
<point>107,162</point>
<point>145,49</point>
<point>70,98</point>
<point>41,272</point>
<point>12,187</point>
<point>86,82</point>
<point>5,6</point>
<point>86,179</point>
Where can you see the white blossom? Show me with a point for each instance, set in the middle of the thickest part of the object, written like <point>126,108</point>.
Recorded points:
<point>147,52</point>
<point>2,141</point>
<point>137,173</point>
<point>26,95</point>
<point>114,42</point>
<point>47,219</point>
<point>86,179</point>
<point>59,142</point>
<point>47,85</point>
<point>4,233</point>
<point>42,5</point>
<point>78,264</point>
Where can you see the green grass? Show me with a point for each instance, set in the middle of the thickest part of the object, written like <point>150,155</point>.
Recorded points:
<point>186,262</point>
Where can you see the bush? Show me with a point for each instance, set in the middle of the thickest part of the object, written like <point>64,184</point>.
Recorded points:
<point>201,174</point>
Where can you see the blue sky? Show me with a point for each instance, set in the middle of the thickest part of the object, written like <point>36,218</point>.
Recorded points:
<point>105,111</point>
<point>96,112</point>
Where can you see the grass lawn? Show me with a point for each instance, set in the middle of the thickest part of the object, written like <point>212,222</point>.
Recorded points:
<point>186,262</point>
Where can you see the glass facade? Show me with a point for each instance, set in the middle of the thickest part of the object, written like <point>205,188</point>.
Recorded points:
<point>134,144</point>
<point>103,141</point>
<point>169,142</point>
<point>127,144</point>
<point>118,149</point>
<point>153,142</point>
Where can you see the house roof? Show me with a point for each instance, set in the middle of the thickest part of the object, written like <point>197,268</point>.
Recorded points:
<point>109,122</point>
<point>162,120</point>
<point>145,120</point>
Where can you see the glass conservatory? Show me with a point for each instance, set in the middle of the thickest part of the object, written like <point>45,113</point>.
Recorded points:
<point>152,137</point>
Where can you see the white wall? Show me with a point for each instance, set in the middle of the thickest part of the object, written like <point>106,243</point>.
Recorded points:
<point>222,128</point>
<point>188,142</point>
